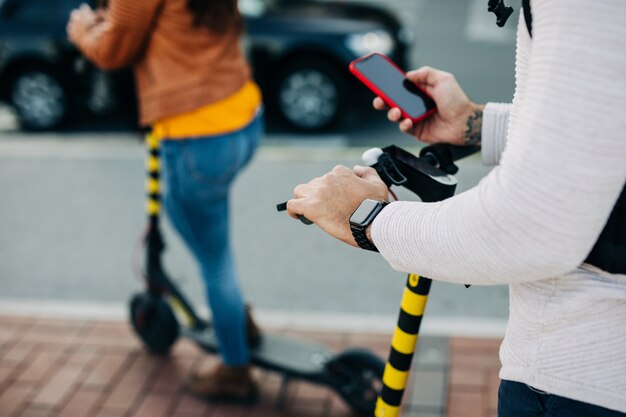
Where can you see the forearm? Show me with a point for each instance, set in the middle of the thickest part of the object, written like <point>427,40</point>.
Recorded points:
<point>486,126</point>
<point>473,132</point>
<point>516,226</point>
<point>116,41</point>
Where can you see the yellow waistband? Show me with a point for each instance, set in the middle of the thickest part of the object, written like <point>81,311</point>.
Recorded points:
<point>224,116</point>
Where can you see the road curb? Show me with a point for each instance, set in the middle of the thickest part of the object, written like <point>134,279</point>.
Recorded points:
<point>304,320</point>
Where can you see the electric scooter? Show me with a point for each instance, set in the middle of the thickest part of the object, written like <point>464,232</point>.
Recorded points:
<point>161,314</point>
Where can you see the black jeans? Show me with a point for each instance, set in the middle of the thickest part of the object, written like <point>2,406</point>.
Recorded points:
<point>519,400</point>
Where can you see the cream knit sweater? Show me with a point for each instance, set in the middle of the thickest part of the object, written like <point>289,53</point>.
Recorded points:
<point>561,150</point>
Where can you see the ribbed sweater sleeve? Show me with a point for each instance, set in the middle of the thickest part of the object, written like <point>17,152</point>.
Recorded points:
<point>538,213</point>
<point>118,40</point>
<point>494,131</point>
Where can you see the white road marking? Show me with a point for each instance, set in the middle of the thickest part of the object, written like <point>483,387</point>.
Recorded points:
<point>125,146</point>
<point>272,319</point>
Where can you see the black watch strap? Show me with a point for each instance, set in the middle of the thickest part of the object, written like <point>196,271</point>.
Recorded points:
<point>361,239</point>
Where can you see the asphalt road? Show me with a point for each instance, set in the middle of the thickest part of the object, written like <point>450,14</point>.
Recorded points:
<point>73,208</point>
<point>72,202</point>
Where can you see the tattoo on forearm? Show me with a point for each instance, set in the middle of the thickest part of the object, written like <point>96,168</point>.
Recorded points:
<point>474,127</point>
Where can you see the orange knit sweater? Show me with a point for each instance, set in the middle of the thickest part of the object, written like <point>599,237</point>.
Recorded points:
<point>178,67</point>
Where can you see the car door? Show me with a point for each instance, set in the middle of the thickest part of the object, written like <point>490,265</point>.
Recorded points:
<point>27,18</point>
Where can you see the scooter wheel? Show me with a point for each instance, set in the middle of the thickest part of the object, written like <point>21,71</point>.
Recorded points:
<point>154,322</point>
<point>359,377</point>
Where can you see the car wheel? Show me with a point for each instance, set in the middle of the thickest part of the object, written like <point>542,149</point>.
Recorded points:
<point>310,94</point>
<point>39,99</point>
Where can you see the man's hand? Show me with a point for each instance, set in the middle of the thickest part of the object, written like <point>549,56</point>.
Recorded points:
<point>458,120</point>
<point>330,200</point>
<point>82,20</point>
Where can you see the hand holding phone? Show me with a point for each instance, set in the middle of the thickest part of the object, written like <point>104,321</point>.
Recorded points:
<point>457,119</point>
<point>389,83</point>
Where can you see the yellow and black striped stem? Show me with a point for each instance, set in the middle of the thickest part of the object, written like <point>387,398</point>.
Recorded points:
<point>158,281</point>
<point>403,346</point>
<point>153,182</point>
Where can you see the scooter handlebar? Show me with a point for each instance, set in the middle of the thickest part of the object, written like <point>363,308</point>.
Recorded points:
<point>428,176</point>
<point>439,155</point>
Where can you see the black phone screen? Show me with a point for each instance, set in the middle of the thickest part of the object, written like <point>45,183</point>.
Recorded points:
<point>406,95</point>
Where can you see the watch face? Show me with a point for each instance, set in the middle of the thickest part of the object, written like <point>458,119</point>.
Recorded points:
<point>363,213</point>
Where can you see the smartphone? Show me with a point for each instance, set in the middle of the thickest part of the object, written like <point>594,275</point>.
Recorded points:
<point>381,75</point>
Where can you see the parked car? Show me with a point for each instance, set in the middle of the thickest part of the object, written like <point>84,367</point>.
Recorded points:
<point>299,51</point>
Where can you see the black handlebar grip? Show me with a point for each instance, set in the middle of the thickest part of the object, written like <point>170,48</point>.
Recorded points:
<point>283,207</point>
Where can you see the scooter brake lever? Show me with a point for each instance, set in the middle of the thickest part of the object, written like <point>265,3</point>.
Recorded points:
<point>283,207</point>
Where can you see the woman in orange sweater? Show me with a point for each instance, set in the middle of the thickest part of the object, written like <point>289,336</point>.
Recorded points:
<point>195,90</point>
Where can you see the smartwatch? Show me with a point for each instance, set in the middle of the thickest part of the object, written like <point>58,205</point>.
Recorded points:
<point>362,217</point>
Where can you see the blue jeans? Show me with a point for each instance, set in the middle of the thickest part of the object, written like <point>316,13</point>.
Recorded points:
<point>198,173</point>
<point>519,400</point>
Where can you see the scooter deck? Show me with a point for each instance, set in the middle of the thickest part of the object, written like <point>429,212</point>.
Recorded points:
<point>275,352</point>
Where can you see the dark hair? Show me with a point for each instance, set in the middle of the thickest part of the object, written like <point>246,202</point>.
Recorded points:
<point>219,16</point>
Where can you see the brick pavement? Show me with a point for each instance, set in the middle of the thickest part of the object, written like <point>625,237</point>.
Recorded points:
<point>71,368</point>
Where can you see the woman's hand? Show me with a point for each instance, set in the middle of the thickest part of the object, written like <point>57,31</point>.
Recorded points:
<point>330,200</point>
<point>458,120</point>
<point>82,20</point>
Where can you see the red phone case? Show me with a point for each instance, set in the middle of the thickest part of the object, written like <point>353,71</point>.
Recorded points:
<point>381,93</point>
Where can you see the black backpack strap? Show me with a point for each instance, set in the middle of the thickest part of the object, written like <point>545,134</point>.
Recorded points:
<point>609,252</point>
<point>528,16</point>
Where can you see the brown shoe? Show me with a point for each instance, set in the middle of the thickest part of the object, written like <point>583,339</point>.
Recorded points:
<point>252,330</point>
<point>224,383</point>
